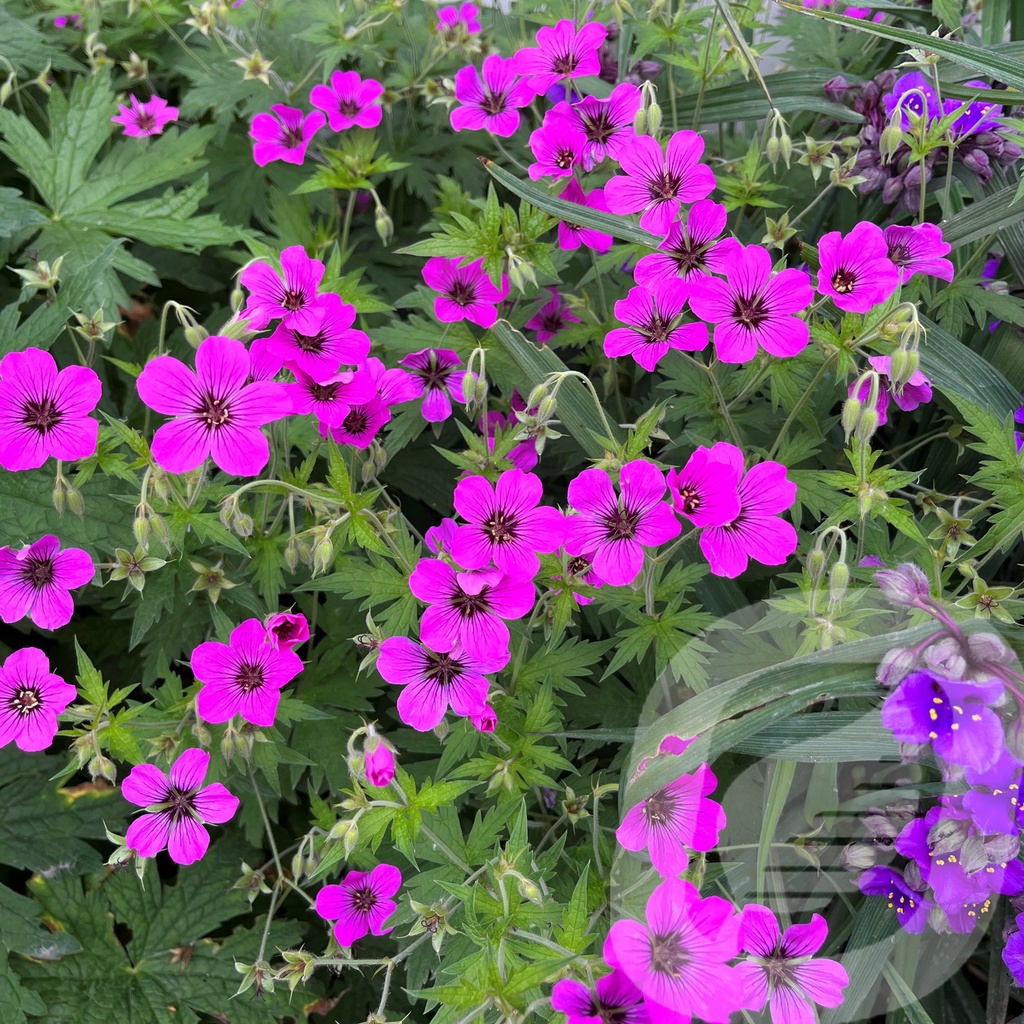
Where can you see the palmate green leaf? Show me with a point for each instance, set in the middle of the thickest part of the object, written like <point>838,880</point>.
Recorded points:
<point>17,213</point>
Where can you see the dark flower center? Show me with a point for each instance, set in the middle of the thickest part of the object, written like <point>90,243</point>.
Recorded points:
<point>293,300</point>
<point>434,375</point>
<point>656,329</point>
<point>621,524</point>
<point>145,121</point>
<point>665,186</point>
<point>42,415</point>
<point>501,528</point>
<point>599,127</point>
<point>659,807</point>
<point>364,900</point>
<point>899,254</point>
<point>564,158</point>
<point>24,701</point>
<point>286,630</point>
<point>181,803</point>
<point>468,605</point>
<point>443,669</point>
<point>564,64</point>
<point>667,957</point>
<point>214,412</point>
<point>291,137</point>
<point>750,310</point>
<point>308,342</point>
<point>348,107</point>
<point>249,677</point>
<point>689,255</point>
<point>844,281</point>
<point>689,499</point>
<point>38,572</point>
<point>494,104</point>
<point>462,292</point>
<point>552,322</point>
<point>578,566</point>
<point>324,392</point>
<point>356,422</point>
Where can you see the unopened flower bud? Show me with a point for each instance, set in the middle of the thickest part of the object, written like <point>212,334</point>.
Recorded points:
<point>816,564</point>
<point>547,408</point>
<point>889,141</point>
<point>202,734</point>
<point>243,524</point>
<point>537,395</point>
<point>159,527</point>
<point>838,582</point>
<point>195,335</point>
<point>237,299</point>
<point>640,121</point>
<point>858,857</point>
<point>653,119</point>
<point>772,151</point>
<point>529,890</point>
<point>7,89</point>
<point>905,585</point>
<point>384,224</point>
<point>852,409</point>
<point>896,664</point>
<point>323,554</point>
<point>867,424</point>
<point>378,760</point>
<point>59,496</point>
<point>141,529</point>
<point>103,767</point>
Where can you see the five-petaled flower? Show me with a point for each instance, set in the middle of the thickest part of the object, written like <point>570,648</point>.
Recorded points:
<point>148,117</point>
<point>614,998</point>
<point>856,271</point>
<point>290,296</point>
<point>284,135</point>
<point>334,343</point>
<point>361,903</point>
<point>654,316</point>
<point>438,376</point>
<point>561,53</point>
<point>918,249</point>
<point>551,318</point>
<point>490,99</point>
<point>36,580</point>
<point>31,698</point>
<point>466,291</point>
<point>349,101</point>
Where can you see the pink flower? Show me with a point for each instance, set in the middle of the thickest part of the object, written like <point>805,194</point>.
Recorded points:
<point>243,677</point>
<point>468,608</point>
<point>704,490</point>
<point>348,101</point>
<point>333,400</point>
<point>284,136</point>
<point>613,530</point>
<point>607,125</point>
<point>394,386</point>
<point>439,538</point>
<point>615,998</point>
<point>360,426</point>
<point>433,681</point>
<point>678,959</point>
<point>217,413</point>
<point>918,249</point>
<point>332,345</point>
<point>149,118</point>
<point>780,970</point>
<point>551,318</point>
<point>915,392</point>
<point>677,816</point>
<point>264,362</point>
<point>485,720</point>
<point>178,805</point>
<point>378,759</point>
<point>286,630</point>
<point>561,53</point>
<point>855,269</point>
<point>36,581</point>
<point>693,247</point>
<point>44,412</point>
<point>752,307</point>
<point>756,532</point>
<point>557,146</point>
<point>571,236</point>
<point>506,524</point>
<point>491,102</point>
<point>361,903</point>
<point>293,299</point>
<point>654,316</point>
<point>657,183</point>
<point>466,291</point>
<point>437,373</point>
<point>31,698</point>
<point>456,22</point>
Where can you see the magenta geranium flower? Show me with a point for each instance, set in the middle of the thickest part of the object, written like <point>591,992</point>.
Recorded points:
<point>694,246</point>
<point>781,969</point>
<point>678,959</point>
<point>752,307</point>
<point>561,53</point>
<point>378,759</point>
<point>434,681</point>
<point>466,291</point>
<point>915,392</point>
<point>611,529</point>
<point>360,426</point>
<point>506,523</point>
<point>705,489</point>
<point>614,998</point>
<point>456,21</point>
<point>524,455</point>
<point>145,118</point>
<point>264,362</point>
<point>349,102</point>
<point>44,412</point>
<point>570,235</point>
<point>243,677</point>
<point>438,374</point>
<point>394,386</point>
<point>855,269</point>
<point>469,608</point>
<point>607,124</point>
<point>918,249</point>
<point>551,318</point>
<point>287,630</point>
<point>657,183</point>
<point>332,400</point>
<point>284,135</point>
<point>31,698</point>
<point>334,344</point>
<point>557,147</point>
<point>36,580</point>
<point>655,323</point>
<point>178,806</point>
<point>677,816</point>
<point>757,532</point>
<point>361,903</point>
<point>292,299</point>
<point>216,412</point>
<point>492,100</point>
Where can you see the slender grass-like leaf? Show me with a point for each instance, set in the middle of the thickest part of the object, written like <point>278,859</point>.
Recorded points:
<point>981,219</point>
<point>782,774</point>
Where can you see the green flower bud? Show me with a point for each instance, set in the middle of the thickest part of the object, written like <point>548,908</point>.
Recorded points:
<point>838,582</point>
<point>653,119</point>
<point>537,395</point>
<point>640,121</point>
<point>902,366</point>
<point>816,564</point>
<point>103,767</point>
<point>866,425</point>
<point>384,224</point>
<point>851,413</point>
<point>195,335</point>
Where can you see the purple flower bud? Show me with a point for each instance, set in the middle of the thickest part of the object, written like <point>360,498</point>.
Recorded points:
<point>946,656</point>
<point>858,857</point>
<point>947,835</point>
<point>904,585</point>
<point>1001,848</point>
<point>835,88</point>
<point>989,647</point>
<point>895,666</point>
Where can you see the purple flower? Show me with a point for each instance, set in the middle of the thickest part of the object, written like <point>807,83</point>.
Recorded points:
<point>284,136</point>
<point>752,307</point>
<point>679,958</point>
<point>657,183</point>
<point>757,532</point>
<point>332,400</point>
<point>693,247</point>
<point>974,117</point>
<point>911,906</point>
<point>148,118</point>
<point>571,236</point>
<point>855,269</point>
<point>705,489</point>
<point>348,101</point>
<point>286,630</point>
<point>178,806</point>
<point>612,530</point>
<point>36,580</point>
<point>915,392</point>
<point>44,412</point>
<point>434,681</point>
<point>614,998</point>
<point>993,801</point>
<point>468,608</point>
<point>243,677</point>
<point>677,816</point>
<point>551,318</point>
<point>332,345</point>
<point>557,147</point>
<point>490,101</point>
<point>378,759</point>
<point>918,249</point>
<point>217,413</point>
<point>1013,952</point>
<point>466,291</point>
<point>293,299</point>
<point>607,124</point>
<point>561,53</point>
<point>361,903</point>
<point>360,426</point>
<point>31,698</point>
<point>953,716</point>
<point>654,315</point>
<point>438,374</point>
<point>913,94</point>
<point>455,23</point>
<point>505,523</point>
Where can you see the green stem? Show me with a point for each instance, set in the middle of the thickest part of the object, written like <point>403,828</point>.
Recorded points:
<point>800,403</point>
<point>350,206</point>
<point>266,823</point>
